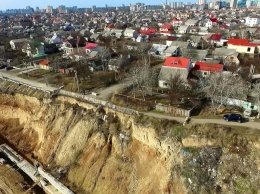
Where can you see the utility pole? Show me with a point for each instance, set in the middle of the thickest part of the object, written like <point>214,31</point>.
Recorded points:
<point>76,80</point>
<point>78,44</point>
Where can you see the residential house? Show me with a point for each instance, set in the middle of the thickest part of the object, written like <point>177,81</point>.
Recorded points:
<point>65,70</point>
<point>113,64</point>
<point>117,64</point>
<point>109,27</point>
<point>45,64</point>
<point>211,22</point>
<point>198,42</point>
<point>228,56</point>
<point>176,22</point>
<point>166,30</point>
<point>142,38</point>
<point>34,49</point>
<point>173,51</point>
<point>204,69</point>
<point>95,65</point>
<point>203,30</point>
<point>69,45</point>
<point>194,54</point>
<point>92,47</point>
<point>251,32</point>
<point>157,50</point>
<point>243,46</point>
<point>117,33</point>
<point>217,40</point>
<point>252,21</point>
<point>146,30</point>
<point>94,37</point>
<point>182,45</point>
<point>50,48</point>
<point>57,22</point>
<point>130,33</point>
<point>173,66</point>
<point>170,39</point>
<point>192,22</point>
<point>56,39</point>
<point>85,32</point>
<point>183,29</point>
<point>17,44</point>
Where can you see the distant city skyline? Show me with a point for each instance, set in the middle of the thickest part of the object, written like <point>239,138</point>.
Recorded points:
<point>13,4</point>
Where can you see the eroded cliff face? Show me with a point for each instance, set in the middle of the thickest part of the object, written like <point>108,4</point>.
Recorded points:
<point>96,150</point>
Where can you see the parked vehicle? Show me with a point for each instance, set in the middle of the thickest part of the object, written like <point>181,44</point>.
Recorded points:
<point>233,117</point>
<point>9,68</point>
<point>247,112</point>
<point>3,66</point>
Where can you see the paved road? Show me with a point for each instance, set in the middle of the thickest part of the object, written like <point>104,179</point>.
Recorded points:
<point>105,93</point>
<point>250,124</point>
<point>26,81</point>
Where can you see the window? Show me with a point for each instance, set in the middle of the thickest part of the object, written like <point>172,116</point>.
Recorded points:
<point>248,49</point>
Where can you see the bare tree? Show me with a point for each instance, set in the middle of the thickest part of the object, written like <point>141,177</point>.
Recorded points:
<point>176,86</point>
<point>105,55</point>
<point>256,90</point>
<point>191,54</point>
<point>143,47</point>
<point>143,78</point>
<point>220,86</point>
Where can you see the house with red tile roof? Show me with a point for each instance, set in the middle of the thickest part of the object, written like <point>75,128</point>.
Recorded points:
<point>146,30</point>
<point>217,40</point>
<point>173,66</point>
<point>205,69</point>
<point>92,47</point>
<point>243,46</point>
<point>166,29</point>
<point>176,22</point>
<point>44,64</point>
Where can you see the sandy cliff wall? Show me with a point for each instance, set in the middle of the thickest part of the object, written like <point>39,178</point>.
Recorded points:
<point>96,150</point>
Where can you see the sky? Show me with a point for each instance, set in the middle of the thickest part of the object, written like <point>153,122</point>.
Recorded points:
<point>16,4</point>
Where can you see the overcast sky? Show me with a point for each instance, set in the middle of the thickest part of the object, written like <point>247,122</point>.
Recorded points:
<point>14,4</point>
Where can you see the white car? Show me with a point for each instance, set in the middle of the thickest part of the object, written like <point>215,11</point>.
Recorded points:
<point>247,113</point>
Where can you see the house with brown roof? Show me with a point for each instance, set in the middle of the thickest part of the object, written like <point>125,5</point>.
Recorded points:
<point>170,39</point>
<point>171,67</point>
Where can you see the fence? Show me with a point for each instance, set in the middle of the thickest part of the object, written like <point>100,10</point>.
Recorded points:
<point>173,110</point>
<point>99,101</point>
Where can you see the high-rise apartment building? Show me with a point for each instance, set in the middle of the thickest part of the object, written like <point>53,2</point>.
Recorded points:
<point>201,2</point>
<point>233,3</point>
<point>61,9</point>
<point>49,9</point>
